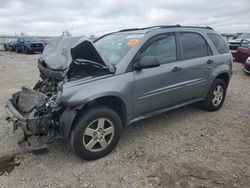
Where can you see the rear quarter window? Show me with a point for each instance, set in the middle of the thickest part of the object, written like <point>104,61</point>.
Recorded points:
<point>219,43</point>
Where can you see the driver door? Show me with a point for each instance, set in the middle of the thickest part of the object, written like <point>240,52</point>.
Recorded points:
<point>159,87</point>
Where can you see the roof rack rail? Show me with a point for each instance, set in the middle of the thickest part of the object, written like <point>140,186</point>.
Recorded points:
<point>163,27</point>
<point>151,27</point>
<point>199,27</point>
<point>131,29</point>
<point>208,27</point>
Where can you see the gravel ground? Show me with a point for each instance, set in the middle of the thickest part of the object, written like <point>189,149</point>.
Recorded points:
<point>187,147</point>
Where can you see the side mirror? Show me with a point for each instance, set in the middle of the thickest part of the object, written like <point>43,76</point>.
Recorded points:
<point>147,62</point>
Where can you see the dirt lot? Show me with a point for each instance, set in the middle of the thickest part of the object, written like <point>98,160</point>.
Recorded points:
<point>187,147</point>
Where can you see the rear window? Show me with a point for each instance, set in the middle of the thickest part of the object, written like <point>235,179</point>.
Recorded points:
<point>219,43</point>
<point>194,46</point>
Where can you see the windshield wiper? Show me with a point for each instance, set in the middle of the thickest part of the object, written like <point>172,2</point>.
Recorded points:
<point>89,62</point>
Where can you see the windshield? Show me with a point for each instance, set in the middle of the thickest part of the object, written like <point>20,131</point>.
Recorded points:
<point>31,39</point>
<point>114,47</point>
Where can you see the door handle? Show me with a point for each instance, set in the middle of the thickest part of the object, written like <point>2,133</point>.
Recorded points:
<point>176,69</point>
<point>210,61</point>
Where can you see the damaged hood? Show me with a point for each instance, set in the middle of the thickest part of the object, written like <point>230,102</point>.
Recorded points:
<point>61,52</point>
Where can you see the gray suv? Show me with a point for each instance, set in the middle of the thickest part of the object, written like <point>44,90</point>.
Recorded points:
<point>89,90</point>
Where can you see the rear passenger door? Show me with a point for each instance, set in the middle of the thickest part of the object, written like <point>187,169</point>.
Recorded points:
<point>197,65</point>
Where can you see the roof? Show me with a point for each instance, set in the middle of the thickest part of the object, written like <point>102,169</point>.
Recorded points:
<point>145,30</point>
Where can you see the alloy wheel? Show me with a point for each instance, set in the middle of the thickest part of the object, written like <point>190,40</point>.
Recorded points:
<point>217,95</point>
<point>98,135</point>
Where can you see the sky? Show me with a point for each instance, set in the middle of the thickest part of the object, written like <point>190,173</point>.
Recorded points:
<point>87,17</point>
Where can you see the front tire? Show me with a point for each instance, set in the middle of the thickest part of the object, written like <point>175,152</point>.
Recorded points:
<point>12,49</point>
<point>216,96</point>
<point>96,132</point>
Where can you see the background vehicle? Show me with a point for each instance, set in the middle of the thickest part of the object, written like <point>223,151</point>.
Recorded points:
<point>28,45</point>
<point>247,66</point>
<point>235,42</point>
<point>44,41</point>
<point>89,91</point>
<point>9,46</point>
<point>243,51</point>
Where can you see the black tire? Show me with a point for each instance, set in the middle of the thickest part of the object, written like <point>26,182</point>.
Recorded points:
<point>17,51</point>
<point>208,104</point>
<point>84,121</point>
<point>5,48</point>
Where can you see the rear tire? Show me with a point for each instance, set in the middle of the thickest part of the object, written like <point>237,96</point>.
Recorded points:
<point>216,96</point>
<point>96,132</point>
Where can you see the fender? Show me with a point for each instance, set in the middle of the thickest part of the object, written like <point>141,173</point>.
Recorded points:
<point>67,118</point>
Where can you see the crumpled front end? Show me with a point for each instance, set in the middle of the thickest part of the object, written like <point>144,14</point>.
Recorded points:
<point>37,111</point>
<point>31,111</point>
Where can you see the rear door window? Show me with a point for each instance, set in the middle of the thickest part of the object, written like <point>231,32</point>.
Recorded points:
<point>194,46</point>
<point>219,43</point>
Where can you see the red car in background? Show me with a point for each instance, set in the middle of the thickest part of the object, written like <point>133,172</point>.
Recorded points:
<point>243,54</point>
<point>243,51</point>
<point>247,66</point>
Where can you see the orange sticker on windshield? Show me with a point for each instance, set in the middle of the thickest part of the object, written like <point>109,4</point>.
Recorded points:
<point>132,42</point>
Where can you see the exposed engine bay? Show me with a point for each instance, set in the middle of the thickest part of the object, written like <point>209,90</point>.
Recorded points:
<point>37,110</point>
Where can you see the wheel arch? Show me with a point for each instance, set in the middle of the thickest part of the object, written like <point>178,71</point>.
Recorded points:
<point>70,116</point>
<point>225,77</point>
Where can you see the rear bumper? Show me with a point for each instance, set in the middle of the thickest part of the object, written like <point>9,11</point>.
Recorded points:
<point>246,71</point>
<point>247,67</point>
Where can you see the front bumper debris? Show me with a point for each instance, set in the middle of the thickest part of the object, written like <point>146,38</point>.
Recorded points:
<point>20,112</point>
<point>28,125</point>
<point>14,116</point>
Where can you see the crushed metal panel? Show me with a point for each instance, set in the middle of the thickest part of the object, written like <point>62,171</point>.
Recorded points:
<point>60,52</point>
<point>30,99</point>
<point>57,54</point>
